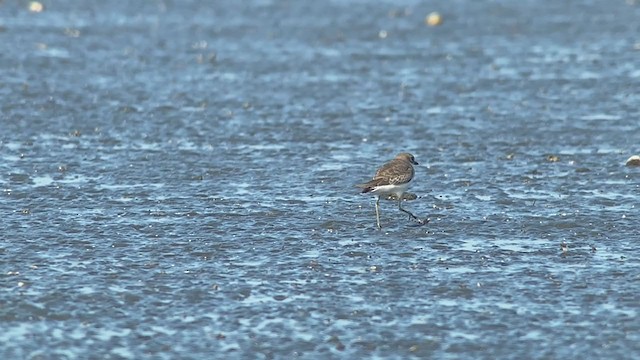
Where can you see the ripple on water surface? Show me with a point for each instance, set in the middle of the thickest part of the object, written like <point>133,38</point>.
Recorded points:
<point>176,188</point>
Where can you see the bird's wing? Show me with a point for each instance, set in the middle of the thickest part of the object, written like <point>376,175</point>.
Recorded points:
<point>394,172</point>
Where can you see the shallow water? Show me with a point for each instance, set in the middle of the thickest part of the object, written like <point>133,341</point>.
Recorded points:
<point>178,180</point>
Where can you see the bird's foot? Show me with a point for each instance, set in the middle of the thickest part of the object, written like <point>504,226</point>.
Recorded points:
<point>418,221</point>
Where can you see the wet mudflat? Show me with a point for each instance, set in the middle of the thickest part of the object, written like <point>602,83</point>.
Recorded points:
<point>178,180</point>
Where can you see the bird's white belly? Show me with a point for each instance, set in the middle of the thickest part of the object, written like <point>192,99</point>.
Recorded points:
<point>391,189</point>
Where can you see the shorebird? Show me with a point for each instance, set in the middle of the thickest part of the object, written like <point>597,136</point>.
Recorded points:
<point>393,178</point>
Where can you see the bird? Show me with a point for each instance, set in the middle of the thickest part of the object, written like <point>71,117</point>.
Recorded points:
<point>392,178</point>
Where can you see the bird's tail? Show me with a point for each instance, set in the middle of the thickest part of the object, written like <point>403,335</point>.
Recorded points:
<point>368,186</point>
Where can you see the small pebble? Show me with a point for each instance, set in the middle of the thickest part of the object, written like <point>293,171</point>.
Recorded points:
<point>433,19</point>
<point>36,6</point>
<point>633,161</point>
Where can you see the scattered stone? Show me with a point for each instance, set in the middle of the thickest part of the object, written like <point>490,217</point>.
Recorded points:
<point>433,19</point>
<point>633,161</point>
<point>36,6</point>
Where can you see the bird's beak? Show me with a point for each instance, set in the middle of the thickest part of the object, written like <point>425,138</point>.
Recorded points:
<point>415,162</point>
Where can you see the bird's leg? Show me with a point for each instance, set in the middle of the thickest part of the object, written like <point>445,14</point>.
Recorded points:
<point>421,222</point>
<point>378,212</point>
